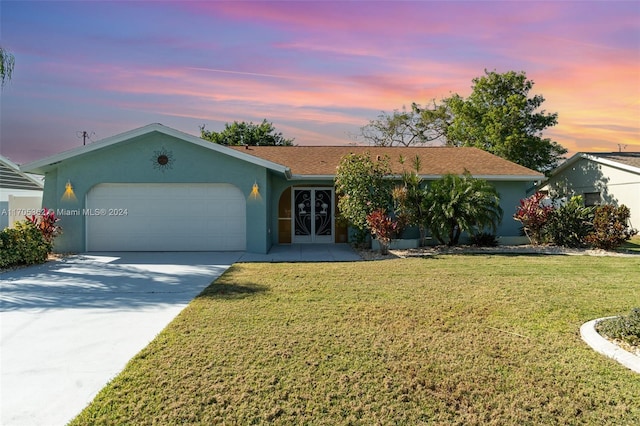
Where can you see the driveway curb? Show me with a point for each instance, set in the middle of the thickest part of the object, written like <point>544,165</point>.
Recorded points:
<point>600,344</point>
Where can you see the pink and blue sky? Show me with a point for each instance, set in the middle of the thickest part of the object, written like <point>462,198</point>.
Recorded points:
<point>317,70</point>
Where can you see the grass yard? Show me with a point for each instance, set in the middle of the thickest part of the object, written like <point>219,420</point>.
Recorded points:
<point>454,339</point>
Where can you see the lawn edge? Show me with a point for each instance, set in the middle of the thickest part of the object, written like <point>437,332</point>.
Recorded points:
<point>603,346</point>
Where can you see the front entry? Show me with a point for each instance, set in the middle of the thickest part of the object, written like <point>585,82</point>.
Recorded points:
<point>312,216</point>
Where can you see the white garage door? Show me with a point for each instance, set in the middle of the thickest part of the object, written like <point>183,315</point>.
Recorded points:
<point>165,217</point>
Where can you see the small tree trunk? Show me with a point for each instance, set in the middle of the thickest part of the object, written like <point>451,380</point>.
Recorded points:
<point>422,235</point>
<point>384,247</point>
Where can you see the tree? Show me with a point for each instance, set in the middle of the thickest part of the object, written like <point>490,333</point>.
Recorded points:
<point>405,128</point>
<point>434,121</point>
<point>456,204</point>
<point>362,188</point>
<point>500,117</point>
<point>243,133</point>
<point>7,62</point>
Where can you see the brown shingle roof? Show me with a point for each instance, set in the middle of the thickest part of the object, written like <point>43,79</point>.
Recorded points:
<point>323,160</point>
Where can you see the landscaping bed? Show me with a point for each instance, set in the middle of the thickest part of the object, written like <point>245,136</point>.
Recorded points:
<point>368,254</point>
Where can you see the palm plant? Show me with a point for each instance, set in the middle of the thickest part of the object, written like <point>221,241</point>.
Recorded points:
<point>408,202</point>
<point>456,204</point>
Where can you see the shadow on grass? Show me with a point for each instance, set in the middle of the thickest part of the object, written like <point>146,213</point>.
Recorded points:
<point>492,254</point>
<point>631,246</point>
<point>232,291</point>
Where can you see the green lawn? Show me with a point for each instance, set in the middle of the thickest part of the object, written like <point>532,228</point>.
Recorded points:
<point>457,339</point>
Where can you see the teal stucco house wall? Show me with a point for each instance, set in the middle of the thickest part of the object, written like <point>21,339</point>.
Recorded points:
<point>158,189</point>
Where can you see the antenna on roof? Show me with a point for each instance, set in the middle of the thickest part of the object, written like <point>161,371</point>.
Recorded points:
<point>85,135</point>
<point>621,147</point>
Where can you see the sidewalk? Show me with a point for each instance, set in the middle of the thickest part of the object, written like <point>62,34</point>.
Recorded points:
<point>305,253</point>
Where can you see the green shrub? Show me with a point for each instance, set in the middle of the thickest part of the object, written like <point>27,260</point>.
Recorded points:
<point>484,239</point>
<point>23,245</point>
<point>610,228</point>
<point>534,216</point>
<point>46,224</point>
<point>569,224</point>
<point>625,327</point>
<point>383,227</point>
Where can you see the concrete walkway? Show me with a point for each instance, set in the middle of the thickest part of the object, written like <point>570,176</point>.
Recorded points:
<point>68,327</point>
<point>305,253</point>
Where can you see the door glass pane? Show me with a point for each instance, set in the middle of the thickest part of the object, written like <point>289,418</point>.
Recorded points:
<point>302,207</point>
<point>323,209</point>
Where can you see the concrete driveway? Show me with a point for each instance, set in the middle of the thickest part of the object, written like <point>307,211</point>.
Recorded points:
<point>68,327</point>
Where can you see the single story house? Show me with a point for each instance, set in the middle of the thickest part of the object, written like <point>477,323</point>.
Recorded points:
<point>158,189</point>
<point>600,178</point>
<point>20,193</point>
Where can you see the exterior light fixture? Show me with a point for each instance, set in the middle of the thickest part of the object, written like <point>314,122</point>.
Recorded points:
<point>68,194</point>
<point>255,191</point>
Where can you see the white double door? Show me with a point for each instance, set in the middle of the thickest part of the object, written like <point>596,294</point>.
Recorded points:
<point>313,218</point>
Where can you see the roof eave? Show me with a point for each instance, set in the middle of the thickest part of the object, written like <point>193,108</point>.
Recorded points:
<point>17,170</point>
<point>518,178</point>
<point>310,177</point>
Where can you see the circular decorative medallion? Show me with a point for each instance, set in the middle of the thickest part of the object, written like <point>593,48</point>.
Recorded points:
<point>162,160</point>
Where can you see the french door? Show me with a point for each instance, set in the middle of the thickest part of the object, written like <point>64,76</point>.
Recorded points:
<point>312,215</point>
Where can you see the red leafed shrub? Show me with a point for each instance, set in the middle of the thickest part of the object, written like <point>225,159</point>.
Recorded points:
<point>382,227</point>
<point>534,216</point>
<point>610,228</point>
<point>46,224</point>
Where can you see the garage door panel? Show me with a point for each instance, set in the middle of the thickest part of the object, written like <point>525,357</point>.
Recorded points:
<point>167,217</point>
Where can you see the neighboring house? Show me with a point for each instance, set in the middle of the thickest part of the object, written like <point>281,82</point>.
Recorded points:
<point>20,193</point>
<point>600,178</point>
<point>155,189</point>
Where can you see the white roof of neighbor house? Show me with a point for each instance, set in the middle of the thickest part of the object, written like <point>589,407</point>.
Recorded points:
<point>629,161</point>
<point>12,178</point>
<point>40,166</point>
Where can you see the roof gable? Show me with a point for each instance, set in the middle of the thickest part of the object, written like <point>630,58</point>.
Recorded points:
<point>322,161</point>
<point>12,178</point>
<point>43,165</point>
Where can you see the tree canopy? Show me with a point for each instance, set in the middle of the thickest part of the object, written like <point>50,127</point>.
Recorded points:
<point>419,125</point>
<point>362,188</point>
<point>243,133</point>
<point>500,117</point>
<point>7,62</point>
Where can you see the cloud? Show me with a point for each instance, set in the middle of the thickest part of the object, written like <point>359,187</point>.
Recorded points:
<point>319,70</point>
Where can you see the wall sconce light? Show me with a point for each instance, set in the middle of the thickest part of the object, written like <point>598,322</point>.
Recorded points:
<point>255,191</point>
<point>68,194</point>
